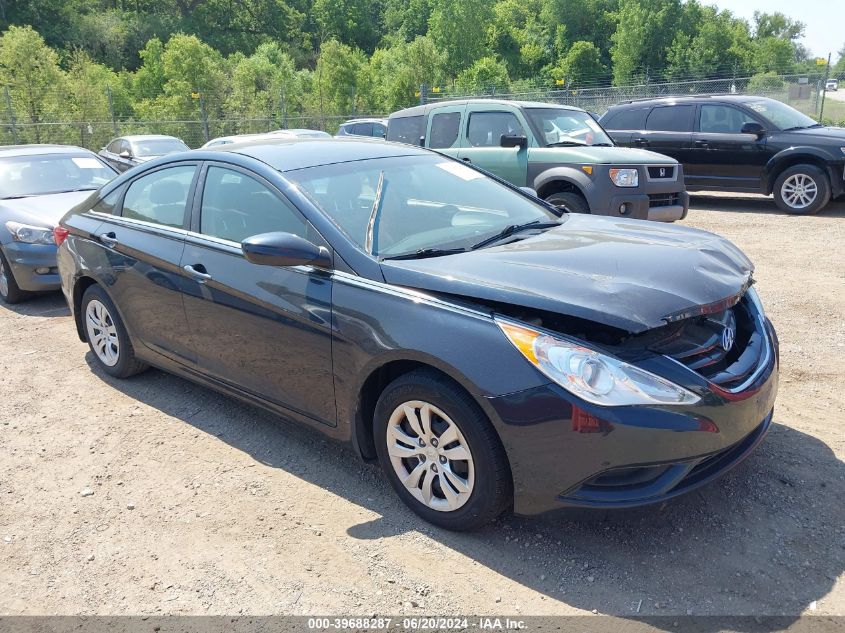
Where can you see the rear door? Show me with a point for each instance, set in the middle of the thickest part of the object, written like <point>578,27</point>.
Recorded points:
<point>668,130</point>
<point>481,142</point>
<point>144,240</point>
<point>262,329</point>
<point>625,124</point>
<point>443,132</point>
<point>722,157</point>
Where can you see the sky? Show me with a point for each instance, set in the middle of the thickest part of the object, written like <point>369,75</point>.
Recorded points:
<point>824,19</point>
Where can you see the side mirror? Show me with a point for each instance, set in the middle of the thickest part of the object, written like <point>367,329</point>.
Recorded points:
<point>284,249</point>
<point>125,154</point>
<point>529,190</point>
<point>513,140</point>
<point>422,141</point>
<point>752,127</point>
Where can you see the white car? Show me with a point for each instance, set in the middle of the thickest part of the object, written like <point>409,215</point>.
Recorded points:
<point>237,138</point>
<point>832,84</point>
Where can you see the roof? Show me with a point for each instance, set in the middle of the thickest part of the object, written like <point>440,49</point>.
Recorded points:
<point>691,98</point>
<point>149,137</point>
<point>366,120</point>
<point>423,109</point>
<point>36,149</point>
<point>286,154</point>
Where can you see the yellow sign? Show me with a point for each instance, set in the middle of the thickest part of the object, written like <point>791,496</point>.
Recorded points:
<point>559,82</point>
<point>820,61</point>
<point>417,93</point>
<point>195,95</point>
<point>436,89</point>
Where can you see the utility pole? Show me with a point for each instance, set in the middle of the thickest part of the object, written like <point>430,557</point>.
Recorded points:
<point>111,112</point>
<point>824,87</point>
<point>422,94</point>
<point>204,116</point>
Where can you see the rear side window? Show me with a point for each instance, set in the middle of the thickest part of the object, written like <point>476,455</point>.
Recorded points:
<point>677,118</point>
<point>363,129</point>
<point>407,129</point>
<point>485,129</point>
<point>236,206</point>
<point>106,204</point>
<point>160,197</point>
<point>633,119</point>
<point>444,129</point>
<point>379,130</point>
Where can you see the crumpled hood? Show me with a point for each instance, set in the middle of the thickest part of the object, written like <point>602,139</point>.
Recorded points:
<point>41,210</point>
<point>628,274</point>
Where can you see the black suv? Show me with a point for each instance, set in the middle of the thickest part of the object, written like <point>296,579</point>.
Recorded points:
<point>739,143</point>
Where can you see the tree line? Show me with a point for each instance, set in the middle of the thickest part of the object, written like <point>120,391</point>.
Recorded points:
<point>88,60</point>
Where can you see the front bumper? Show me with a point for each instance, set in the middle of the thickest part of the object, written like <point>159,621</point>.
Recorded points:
<point>26,259</point>
<point>565,452</point>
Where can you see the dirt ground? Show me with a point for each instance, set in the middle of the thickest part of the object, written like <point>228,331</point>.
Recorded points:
<point>202,505</point>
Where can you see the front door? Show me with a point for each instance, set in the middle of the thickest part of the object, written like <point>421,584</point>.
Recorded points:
<point>265,330</point>
<point>723,157</point>
<point>143,244</point>
<point>481,143</point>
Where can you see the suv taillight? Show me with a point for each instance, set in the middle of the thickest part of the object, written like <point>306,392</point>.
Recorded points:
<point>60,234</point>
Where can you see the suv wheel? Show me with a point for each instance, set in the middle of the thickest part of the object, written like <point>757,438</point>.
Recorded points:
<point>802,190</point>
<point>9,291</point>
<point>569,201</point>
<point>440,452</point>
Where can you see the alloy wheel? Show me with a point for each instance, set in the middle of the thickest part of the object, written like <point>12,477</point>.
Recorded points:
<point>4,279</point>
<point>430,455</point>
<point>102,333</point>
<point>799,191</point>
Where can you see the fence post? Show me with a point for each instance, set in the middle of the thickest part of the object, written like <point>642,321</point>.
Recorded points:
<point>284,106</point>
<point>422,94</point>
<point>204,117</point>
<point>11,114</point>
<point>114,126</point>
<point>824,87</point>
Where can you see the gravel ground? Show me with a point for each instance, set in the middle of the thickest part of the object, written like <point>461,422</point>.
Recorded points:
<point>155,496</point>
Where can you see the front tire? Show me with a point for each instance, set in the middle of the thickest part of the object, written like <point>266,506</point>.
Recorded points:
<point>569,201</point>
<point>107,336</point>
<point>802,190</point>
<point>440,452</point>
<point>9,291</point>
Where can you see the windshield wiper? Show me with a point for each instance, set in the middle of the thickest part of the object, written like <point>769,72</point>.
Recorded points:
<point>513,229</point>
<point>602,145</point>
<point>802,127</point>
<point>566,143</point>
<point>428,252</point>
<point>25,195</point>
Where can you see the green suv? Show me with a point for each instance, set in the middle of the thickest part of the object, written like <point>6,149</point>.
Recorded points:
<point>561,152</point>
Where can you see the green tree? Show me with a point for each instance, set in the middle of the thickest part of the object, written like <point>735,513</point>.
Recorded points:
<point>459,28</point>
<point>777,25</point>
<point>581,65</point>
<point>354,22</point>
<point>719,45</point>
<point>407,18</point>
<point>520,37</point>
<point>30,70</point>
<point>774,54</point>
<point>645,31</point>
<point>340,69</point>
<point>486,75</point>
<point>765,82</point>
<point>398,72</point>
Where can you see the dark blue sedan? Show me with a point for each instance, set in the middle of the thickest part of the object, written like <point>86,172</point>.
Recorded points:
<point>490,352</point>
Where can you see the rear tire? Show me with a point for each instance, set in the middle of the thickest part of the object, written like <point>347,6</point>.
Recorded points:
<point>569,201</point>
<point>802,190</point>
<point>9,291</point>
<point>107,336</point>
<point>458,476</point>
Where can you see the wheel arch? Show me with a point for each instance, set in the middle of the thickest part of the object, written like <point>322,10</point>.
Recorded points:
<point>561,180</point>
<point>376,381</point>
<point>790,158</point>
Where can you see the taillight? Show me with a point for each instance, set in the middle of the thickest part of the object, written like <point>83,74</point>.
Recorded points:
<point>60,234</point>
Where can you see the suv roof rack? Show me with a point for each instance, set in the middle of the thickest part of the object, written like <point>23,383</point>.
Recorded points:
<point>690,96</point>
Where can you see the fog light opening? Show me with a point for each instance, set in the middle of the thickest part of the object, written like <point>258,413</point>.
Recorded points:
<point>42,270</point>
<point>623,208</point>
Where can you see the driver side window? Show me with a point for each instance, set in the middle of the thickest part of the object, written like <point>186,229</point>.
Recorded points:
<point>721,119</point>
<point>236,206</point>
<point>485,129</point>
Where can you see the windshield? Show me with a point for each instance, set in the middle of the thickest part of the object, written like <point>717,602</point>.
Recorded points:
<point>559,126</point>
<point>425,202</point>
<point>158,147</point>
<point>782,115</point>
<point>51,173</point>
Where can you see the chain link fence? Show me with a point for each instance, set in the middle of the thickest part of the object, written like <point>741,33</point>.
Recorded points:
<point>23,121</point>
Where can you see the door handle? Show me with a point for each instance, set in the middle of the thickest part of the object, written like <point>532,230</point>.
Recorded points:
<point>198,272</point>
<point>466,160</point>
<point>640,141</point>
<point>704,144</point>
<point>109,239</point>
